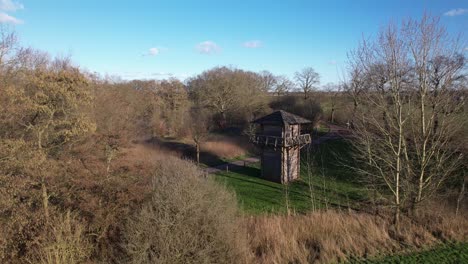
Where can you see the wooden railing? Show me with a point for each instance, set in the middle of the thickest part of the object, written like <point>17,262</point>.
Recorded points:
<point>272,141</point>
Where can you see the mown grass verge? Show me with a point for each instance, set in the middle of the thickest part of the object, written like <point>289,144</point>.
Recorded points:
<point>327,183</point>
<point>442,254</point>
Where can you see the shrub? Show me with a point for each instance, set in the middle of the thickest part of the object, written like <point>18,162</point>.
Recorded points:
<point>67,243</point>
<point>332,236</point>
<point>189,219</point>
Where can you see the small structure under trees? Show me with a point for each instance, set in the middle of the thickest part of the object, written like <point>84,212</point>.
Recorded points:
<point>280,138</point>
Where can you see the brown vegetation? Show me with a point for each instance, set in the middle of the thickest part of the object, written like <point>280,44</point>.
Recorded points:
<point>77,185</point>
<point>226,147</point>
<point>188,219</point>
<point>333,236</point>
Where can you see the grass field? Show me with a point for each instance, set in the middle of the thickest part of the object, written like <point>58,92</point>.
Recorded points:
<point>332,184</point>
<point>445,254</point>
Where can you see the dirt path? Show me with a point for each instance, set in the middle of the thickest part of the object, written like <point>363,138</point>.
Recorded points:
<point>233,165</point>
<point>335,132</point>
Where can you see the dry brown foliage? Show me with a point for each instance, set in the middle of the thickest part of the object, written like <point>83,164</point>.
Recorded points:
<point>332,236</point>
<point>225,147</point>
<point>67,242</point>
<point>189,219</point>
<point>70,193</point>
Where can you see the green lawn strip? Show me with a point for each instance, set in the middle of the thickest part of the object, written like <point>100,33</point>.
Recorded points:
<point>241,157</point>
<point>255,194</point>
<point>330,164</point>
<point>320,130</point>
<point>331,187</point>
<point>442,254</point>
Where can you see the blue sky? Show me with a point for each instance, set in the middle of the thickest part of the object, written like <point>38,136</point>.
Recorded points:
<point>157,39</point>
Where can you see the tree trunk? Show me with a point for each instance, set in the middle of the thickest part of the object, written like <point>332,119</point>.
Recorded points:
<point>198,153</point>
<point>398,165</point>
<point>332,117</point>
<point>461,194</point>
<point>45,200</point>
<point>109,160</point>
<point>223,119</point>
<point>423,150</point>
<point>396,219</point>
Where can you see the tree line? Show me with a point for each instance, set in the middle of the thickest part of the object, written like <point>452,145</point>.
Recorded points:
<point>69,195</point>
<point>66,188</point>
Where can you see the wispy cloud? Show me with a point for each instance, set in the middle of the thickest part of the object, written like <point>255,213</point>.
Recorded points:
<point>207,47</point>
<point>252,44</point>
<point>8,5</point>
<point>154,51</point>
<point>332,62</point>
<point>5,18</point>
<point>456,12</point>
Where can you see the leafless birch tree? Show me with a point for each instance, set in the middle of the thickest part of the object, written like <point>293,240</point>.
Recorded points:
<point>407,103</point>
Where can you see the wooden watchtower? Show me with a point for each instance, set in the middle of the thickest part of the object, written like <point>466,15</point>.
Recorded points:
<point>279,137</point>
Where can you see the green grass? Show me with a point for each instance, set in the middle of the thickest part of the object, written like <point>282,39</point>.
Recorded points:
<point>332,184</point>
<point>321,129</point>
<point>445,254</point>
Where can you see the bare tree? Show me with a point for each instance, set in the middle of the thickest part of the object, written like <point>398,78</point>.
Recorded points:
<point>268,80</point>
<point>175,104</point>
<point>333,92</point>
<point>199,128</point>
<point>353,89</point>
<point>229,93</point>
<point>461,193</point>
<point>283,85</point>
<point>408,111</point>
<point>306,80</point>
<point>437,63</point>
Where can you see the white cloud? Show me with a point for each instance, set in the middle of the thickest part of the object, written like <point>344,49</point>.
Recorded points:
<point>5,18</point>
<point>207,47</point>
<point>252,44</point>
<point>332,62</point>
<point>8,5</point>
<point>456,12</point>
<point>154,51</point>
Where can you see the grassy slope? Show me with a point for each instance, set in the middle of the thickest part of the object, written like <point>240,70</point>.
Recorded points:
<point>445,254</point>
<point>332,184</point>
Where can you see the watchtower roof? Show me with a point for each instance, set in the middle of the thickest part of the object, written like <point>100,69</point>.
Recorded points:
<point>281,117</point>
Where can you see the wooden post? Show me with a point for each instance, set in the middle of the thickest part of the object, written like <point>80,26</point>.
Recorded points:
<point>227,167</point>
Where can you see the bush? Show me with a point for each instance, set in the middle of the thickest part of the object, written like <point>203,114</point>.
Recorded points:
<point>189,219</point>
<point>334,237</point>
<point>67,243</point>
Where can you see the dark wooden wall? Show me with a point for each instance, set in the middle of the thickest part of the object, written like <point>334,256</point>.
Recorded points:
<point>281,165</point>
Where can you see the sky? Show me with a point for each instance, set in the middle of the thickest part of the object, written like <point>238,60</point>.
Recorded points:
<point>150,39</point>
